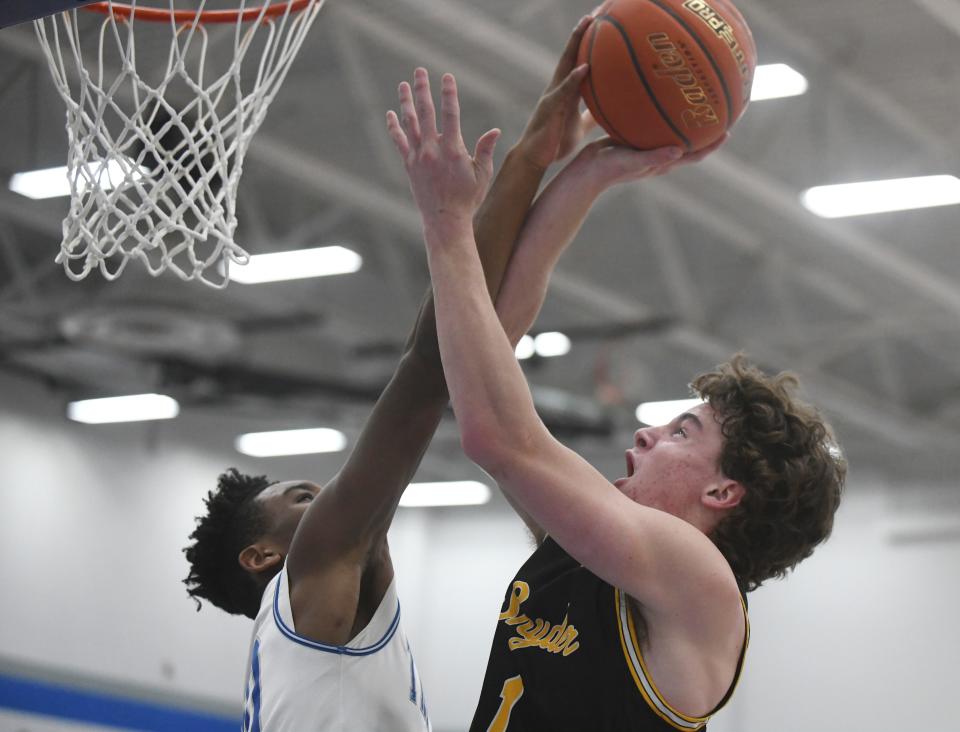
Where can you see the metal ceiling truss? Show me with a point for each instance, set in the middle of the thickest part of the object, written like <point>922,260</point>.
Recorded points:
<point>895,424</point>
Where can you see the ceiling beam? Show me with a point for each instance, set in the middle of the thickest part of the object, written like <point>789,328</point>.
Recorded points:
<point>882,106</point>
<point>735,173</point>
<point>946,12</point>
<point>519,52</point>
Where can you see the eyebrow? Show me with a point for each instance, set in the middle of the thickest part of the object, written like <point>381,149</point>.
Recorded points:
<point>296,487</point>
<point>689,416</point>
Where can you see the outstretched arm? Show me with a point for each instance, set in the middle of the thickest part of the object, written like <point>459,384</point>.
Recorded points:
<point>500,429</point>
<point>560,211</point>
<point>553,223</point>
<point>342,535</point>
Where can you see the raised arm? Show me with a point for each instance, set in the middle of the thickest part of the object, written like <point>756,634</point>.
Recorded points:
<point>500,430</point>
<point>552,225</point>
<point>344,530</point>
<point>558,214</point>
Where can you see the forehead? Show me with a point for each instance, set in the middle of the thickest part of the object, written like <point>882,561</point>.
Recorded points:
<point>277,490</point>
<point>706,415</point>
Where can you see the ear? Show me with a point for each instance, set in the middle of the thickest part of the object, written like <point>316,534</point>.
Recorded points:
<point>724,495</point>
<point>260,557</point>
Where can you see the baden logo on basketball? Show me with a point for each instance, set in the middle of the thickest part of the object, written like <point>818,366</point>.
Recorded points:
<point>667,72</point>
<point>699,113</point>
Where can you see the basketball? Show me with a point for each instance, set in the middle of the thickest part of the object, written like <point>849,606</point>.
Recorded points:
<point>667,72</point>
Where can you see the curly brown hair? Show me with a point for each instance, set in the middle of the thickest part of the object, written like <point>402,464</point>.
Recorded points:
<point>786,457</point>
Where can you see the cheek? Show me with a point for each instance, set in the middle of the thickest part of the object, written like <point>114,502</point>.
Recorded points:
<point>672,478</point>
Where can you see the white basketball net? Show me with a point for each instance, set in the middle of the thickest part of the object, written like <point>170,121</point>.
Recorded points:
<point>154,167</point>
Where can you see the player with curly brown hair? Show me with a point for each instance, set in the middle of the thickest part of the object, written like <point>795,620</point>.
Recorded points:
<point>631,612</point>
<point>312,565</point>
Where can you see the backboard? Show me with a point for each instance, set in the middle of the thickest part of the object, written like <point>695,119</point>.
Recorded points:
<point>20,11</point>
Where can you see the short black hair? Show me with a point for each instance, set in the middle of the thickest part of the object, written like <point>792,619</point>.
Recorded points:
<point>233,521</point>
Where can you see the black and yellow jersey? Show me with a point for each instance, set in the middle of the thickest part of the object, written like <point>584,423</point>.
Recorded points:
<point>566,656</point>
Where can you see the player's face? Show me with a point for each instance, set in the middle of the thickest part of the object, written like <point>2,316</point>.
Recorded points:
<point>285,504</point>
<point>671,467</point>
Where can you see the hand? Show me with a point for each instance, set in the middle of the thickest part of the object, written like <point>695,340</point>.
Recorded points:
<point>557,126</point>
<point>603,164</point>
<point>448,183</point>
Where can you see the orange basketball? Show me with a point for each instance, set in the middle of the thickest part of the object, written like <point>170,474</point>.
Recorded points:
<point>668,72</point>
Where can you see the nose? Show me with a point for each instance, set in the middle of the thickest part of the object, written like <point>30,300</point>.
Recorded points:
<point>645,437</point>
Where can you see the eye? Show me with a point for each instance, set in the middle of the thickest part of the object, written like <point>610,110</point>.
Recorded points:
<point>305,497</point>
<point>682,431</point>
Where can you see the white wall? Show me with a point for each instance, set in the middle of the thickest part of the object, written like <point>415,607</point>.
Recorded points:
<point>92,520</point>
<point>863,636</point>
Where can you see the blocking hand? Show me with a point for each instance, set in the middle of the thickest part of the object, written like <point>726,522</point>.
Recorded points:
<point>557,126</point>
<point>448,183</point>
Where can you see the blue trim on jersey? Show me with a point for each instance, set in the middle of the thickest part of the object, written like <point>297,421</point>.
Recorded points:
<point>326,647</point>
<point>413,676</point>
<point>251,718</point>
<point>256,687</point>
<point>29,696</point>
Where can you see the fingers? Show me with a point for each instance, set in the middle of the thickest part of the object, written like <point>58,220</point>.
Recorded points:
<point>426,113</point>
<point>409,124</point>
<point>645,163</point>
<point>663,156</point>
<point>569,88</point>
<point>483,152</point>
<point>450,114</point>
<point>416,125</point>
<point>397,134</point>
<point>569,56</point>
<point>701,154</point>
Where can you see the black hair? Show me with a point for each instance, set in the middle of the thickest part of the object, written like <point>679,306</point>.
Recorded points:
<point>234,520</point>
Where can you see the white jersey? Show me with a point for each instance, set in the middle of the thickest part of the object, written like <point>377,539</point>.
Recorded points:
<point>295,684</point>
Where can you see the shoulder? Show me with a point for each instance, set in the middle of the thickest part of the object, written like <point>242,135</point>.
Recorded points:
<point>694,655</point>
<point>333,605</point>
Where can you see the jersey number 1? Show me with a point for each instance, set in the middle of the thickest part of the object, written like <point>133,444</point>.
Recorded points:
<point>509,695</point>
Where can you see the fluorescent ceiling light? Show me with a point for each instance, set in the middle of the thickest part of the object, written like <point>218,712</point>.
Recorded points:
<point>296,264</point>
<point>546,345</point>
<point>291,442</point>
<point>551,344</point>
<point>899,194</point>
<point>657,413</point>
<point>525,348</point>
<point>455,493</point>
<point>774,81</point>
<point>133,408</point>
<point>54,183</point>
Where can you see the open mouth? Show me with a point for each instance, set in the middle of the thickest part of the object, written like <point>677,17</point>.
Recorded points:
<point>630,466</point>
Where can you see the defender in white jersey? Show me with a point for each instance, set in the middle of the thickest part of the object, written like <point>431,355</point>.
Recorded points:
<point>332,686</point>
<point>312,565</point>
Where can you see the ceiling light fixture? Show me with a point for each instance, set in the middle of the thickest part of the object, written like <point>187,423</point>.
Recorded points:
<point>775,81</point>
<point>878,196</point>
<point>291,442</point>
<point>551,344</point>
<point>546,345</point>
<point>453,493</point>
<point>525,348</point>
<point>132,408</point>
<point>296,264</point>
<point>54,183</point>
<point>657,413</point>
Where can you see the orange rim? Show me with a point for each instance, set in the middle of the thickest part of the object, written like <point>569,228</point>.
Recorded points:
<point>120,10</point>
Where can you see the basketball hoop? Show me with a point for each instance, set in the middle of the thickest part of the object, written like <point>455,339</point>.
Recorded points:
<point>154,165</point>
